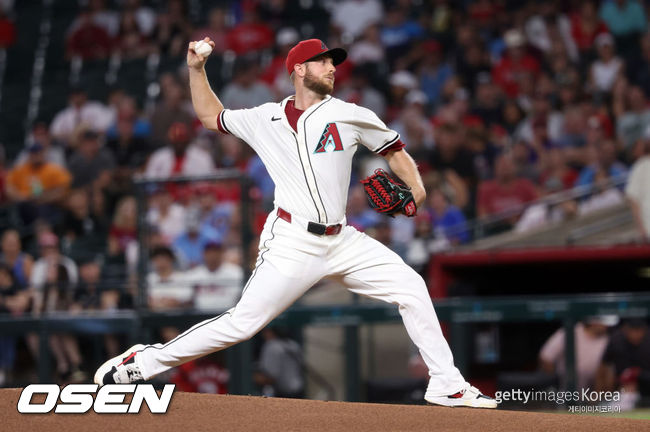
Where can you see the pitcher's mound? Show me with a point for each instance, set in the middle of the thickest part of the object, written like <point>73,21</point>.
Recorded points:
<point>201,412</point>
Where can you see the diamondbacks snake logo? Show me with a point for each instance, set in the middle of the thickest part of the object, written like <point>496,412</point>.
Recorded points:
<point>330,140</point>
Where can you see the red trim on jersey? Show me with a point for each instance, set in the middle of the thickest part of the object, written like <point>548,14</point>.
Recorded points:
<point>220,125</point>
<point>292,114</point>
<point>398,145</point>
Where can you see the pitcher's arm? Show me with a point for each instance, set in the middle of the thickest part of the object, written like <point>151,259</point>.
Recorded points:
<point>405,168</point>
<point>206,103</point>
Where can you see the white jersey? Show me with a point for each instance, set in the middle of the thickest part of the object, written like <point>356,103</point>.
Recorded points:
<point>174,287</point>
<point>311,167</point>
<point>219,289</point>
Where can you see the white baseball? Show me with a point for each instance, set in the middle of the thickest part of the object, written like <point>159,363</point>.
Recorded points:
<point>202,48</point>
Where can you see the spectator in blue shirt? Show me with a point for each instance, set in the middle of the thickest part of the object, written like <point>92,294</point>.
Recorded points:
<point>433,72</point>
<point>127,112</point>
<point>399,32</point>
<point>625,20</point>
<point>358,214</point>
<point>261,178</point>
<point>605,161</point>
<point>447,218</point>
<point>623,16</point>
<point>189,246</point>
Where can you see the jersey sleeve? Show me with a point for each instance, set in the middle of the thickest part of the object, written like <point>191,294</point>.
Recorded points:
<point>373,132</point>
<point>241,123</point>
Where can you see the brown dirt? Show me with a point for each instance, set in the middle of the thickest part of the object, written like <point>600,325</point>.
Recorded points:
<point>199,412</point>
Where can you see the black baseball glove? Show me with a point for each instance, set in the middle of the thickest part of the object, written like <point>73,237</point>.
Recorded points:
<point>387,195</point>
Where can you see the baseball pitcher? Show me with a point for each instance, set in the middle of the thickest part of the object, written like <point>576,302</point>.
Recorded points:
<point>307,142</point>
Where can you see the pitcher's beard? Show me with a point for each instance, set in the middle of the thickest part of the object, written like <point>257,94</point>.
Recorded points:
<point>319,87</point>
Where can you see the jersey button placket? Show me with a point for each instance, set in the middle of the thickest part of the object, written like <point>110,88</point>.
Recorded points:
<point>306,163</point>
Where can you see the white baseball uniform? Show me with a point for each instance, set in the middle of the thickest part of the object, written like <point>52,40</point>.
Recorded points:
<point>311,169</point>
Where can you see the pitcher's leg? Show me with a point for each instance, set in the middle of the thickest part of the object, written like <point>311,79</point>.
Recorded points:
<point>369,268</point>
<point>400,285</point>
<point>269,292</point>
<point>291,260</point>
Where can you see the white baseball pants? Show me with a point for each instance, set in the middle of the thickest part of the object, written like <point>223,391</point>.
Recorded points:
<point>290,261</point>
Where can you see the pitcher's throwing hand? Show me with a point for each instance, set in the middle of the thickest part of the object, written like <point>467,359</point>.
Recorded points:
<point>194,60</point>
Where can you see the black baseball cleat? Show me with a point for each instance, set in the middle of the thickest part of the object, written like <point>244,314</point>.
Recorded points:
<point>121,369</point>
<point>467,397</point>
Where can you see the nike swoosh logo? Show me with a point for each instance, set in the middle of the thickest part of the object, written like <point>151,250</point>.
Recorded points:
<point>276,119</point>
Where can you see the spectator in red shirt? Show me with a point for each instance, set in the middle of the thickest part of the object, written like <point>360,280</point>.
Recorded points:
<point>89,40</point>
<point>250,34</point>
<point>505,193</point>
<point>515,63</point>
<point>204,375</point>
<point>7,31</point>
<point>586,25</point>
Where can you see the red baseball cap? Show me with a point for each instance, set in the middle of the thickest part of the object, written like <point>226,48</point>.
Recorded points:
<point>309,49</point>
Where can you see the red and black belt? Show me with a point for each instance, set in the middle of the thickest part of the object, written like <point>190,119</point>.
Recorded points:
<point>312,227</point>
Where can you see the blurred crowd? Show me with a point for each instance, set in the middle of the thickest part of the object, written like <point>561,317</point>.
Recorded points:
<point>500,102</point>
<point>608,357</point>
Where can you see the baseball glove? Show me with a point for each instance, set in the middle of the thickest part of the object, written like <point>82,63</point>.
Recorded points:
<point>387,195</point>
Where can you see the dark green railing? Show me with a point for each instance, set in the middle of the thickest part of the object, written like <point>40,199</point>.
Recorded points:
<point>455,311</point>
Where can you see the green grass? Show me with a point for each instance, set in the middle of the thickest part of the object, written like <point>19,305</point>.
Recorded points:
<point>639,414</point>
<point>636,414</point>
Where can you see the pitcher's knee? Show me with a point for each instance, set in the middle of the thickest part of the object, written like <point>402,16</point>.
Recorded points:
<point>417,291</point>
<point>247,328</point>
<point>252,331</point>
<point>417,282</point>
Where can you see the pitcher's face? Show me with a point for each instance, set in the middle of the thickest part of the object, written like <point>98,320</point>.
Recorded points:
<point>319,76</point>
